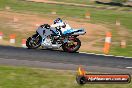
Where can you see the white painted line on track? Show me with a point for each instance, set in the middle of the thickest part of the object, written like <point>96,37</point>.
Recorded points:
<point>129,67</point>
<point>128,57</point>
<point>86,53</point>
<point>104,55</point>
<point>108,55</point>
<point>120,56</point>
<point>100,54</point>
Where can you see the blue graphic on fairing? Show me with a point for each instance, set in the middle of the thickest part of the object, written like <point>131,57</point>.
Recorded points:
<point>68,31</point>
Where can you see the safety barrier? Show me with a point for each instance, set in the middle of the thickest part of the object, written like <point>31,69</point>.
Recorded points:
<point>24,43</point>
<point>12,40</point>
<point>107,42</point>
<point>118,23</point>
<point>53,12</point>
<point>88,15</point>
<point>15,19</point>
<point>123,44</point>
<point>1,35</point>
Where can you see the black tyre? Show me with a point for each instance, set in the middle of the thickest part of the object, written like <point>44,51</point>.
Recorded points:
<point>33,42</point>
<point>81,80</point>
<point>73,47</point>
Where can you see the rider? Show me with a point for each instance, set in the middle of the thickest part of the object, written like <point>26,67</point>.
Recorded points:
<point>64,27</point>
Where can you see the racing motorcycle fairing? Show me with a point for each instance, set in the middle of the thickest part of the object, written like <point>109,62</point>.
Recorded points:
<point>54,38</point>
<point>80,31</point>
<point>44,32</point>
<point>75,32</point>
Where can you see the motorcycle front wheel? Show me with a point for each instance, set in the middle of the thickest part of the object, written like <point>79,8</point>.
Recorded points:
<point>72,46</point>
<point>33,42</point>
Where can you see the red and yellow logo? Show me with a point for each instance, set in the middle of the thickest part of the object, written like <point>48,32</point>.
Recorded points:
<point>83,78</point>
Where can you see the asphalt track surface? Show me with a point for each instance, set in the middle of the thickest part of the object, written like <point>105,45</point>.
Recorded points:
<point>62,60</point>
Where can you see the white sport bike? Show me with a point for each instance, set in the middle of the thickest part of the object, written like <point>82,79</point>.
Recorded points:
<point>48,38</point>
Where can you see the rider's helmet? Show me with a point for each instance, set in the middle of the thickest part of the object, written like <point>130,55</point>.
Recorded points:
<point>58,20</point>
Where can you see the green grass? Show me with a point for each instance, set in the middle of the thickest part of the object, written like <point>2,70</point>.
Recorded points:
<point>23,77</point>
<point>117,50</point>
<point>116,41</point>
<point>98,15</point>
<point>75,1</point>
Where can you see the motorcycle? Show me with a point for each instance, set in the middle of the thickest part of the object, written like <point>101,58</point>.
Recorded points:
<point>48,38</point>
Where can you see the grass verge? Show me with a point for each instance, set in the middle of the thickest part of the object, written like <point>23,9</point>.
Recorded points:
<point>23,77</point>
<point>98,16</point>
